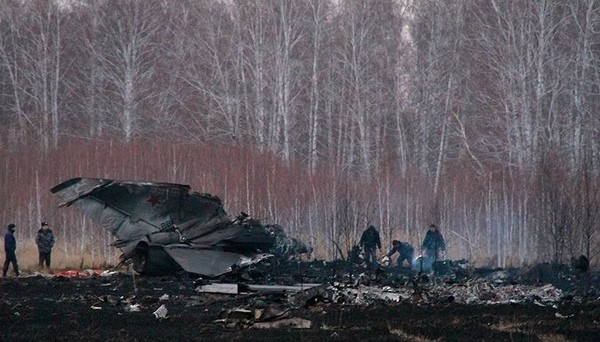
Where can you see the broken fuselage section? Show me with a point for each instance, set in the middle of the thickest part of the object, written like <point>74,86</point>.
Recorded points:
<point>164,228</point>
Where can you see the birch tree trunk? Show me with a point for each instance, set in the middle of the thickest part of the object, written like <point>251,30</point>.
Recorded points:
<point>129,61</point>
<point>10,46</point>
<point>288,35</point>
<point>315,113</point>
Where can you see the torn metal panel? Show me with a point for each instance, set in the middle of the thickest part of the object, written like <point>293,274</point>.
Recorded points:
<point>161,312</point>
<point>302,298</point>
<point>208,262</point>
<point>280,288</point>
<point>164,227</point>
<point>219,288</point>
<point>228,288</point>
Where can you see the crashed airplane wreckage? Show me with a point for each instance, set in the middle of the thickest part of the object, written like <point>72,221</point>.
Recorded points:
<point>164,228</point>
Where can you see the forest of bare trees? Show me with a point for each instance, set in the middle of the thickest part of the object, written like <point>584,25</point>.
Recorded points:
<point>320,115</point>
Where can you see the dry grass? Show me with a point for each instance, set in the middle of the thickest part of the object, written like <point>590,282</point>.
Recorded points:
<point>27,257</point>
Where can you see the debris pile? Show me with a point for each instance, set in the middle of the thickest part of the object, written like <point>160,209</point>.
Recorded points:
<point>287,295</point>
<point>164,228</point>
<point>342,283</point>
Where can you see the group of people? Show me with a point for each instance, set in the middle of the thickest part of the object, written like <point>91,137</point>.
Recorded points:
<point>370,242</point>
<point>432,245</point>
<point>44,240</point>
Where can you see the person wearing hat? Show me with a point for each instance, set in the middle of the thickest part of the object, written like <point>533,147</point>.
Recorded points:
<point>45,241</point>
<point>10,248</point>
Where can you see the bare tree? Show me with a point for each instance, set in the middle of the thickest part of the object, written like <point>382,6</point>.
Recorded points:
<point>11,18</point>
<point>587,206</point>
<point>207,69</point>
<point>287,36</point>
<point>368,33</point>
<point>584,16</point>
<point>84,94</point>
<point>319,12</point>
<point>128,61</point>
<point>253,16</point>
<point>32,57</point>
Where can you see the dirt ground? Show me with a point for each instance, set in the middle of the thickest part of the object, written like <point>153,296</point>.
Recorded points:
<point>100,308</point>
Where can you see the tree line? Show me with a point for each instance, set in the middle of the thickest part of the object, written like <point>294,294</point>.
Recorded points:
<point>479,115</point>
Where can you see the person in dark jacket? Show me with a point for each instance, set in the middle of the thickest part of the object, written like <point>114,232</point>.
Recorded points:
<point>405,252</point>
<point>369,241</point>
<point>10,248</point>
<point>45,241</point>
<point>433,243</point>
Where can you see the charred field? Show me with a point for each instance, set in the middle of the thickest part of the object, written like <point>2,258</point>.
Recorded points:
<point>122,306</point>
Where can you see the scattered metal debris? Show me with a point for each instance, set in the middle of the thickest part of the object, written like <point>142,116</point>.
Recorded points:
<point>227,288</point>
<point>133,308</point>
<point>321,296</point>
<point>161,312</point>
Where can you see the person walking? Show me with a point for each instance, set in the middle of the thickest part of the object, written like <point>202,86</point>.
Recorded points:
<point>433,243</point>
<point>45,241</point>
<point>10,248</point>
<point>369,241</point>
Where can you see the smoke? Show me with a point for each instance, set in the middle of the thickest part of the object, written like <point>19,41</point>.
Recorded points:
<point>422,264</point>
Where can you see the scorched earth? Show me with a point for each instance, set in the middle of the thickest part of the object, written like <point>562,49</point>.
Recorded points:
<point>309,301</point>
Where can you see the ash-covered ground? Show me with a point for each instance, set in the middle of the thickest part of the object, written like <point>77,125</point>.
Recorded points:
<point>306,301</point>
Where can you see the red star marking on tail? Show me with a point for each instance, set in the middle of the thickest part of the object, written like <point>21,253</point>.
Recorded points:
<point>153,200</point>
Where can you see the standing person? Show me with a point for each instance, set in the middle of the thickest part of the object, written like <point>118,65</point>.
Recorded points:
<point>433,243</point>
<point>10,247</point>
<point>368,242</point>
<point>45,241</point>
<point>405,252</point>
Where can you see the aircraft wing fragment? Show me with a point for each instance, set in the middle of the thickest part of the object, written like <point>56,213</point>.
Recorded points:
<point>152,221</point>
<point>208,262</point>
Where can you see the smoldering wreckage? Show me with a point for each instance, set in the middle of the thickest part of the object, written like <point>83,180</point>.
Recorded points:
<point>163,228</point>
<point>256,277</point>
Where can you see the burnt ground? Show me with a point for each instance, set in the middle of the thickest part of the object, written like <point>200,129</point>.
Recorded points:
<point>97,308</point>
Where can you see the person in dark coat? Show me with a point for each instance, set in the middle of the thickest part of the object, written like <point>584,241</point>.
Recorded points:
<point>10,248</point>
<point>405,252</point>
<point>433,243</point>
<point>45,241</point>
<point>369,241</point>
